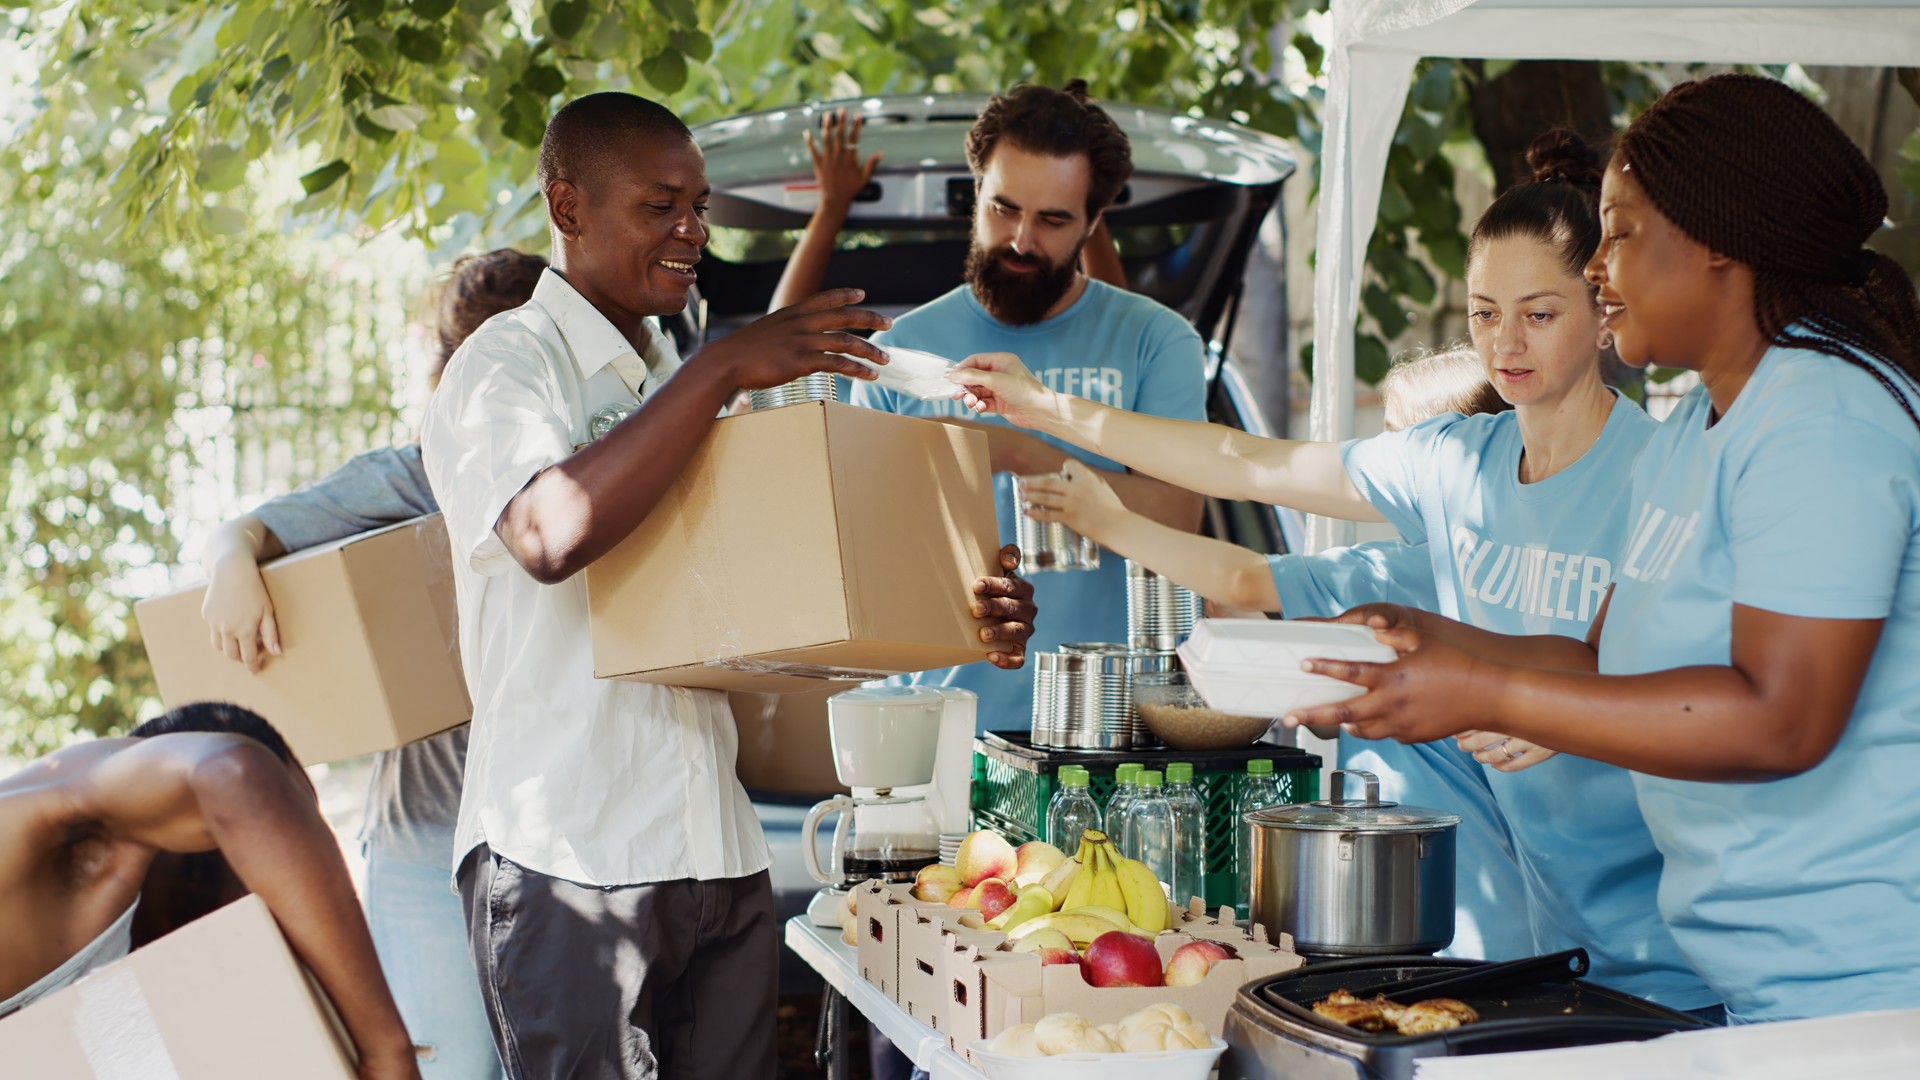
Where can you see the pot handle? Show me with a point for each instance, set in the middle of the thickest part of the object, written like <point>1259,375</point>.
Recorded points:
<point>1370,786</point>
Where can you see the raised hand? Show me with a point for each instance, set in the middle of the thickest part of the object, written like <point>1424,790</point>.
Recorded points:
<point>836,161</point>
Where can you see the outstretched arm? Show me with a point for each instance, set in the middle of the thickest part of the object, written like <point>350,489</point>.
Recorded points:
<point>1084,501</point>
<point>1207,458</point>
<point>198,792</point>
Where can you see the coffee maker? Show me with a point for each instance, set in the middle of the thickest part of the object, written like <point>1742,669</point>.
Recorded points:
<point>888,749</point>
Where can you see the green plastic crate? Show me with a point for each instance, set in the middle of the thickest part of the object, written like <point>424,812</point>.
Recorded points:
<point>1013,781</point>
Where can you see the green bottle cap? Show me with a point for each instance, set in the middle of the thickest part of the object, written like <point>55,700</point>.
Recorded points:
<point>1260,767</point>
<point>1126,771</point>
<point>1180,772</point>
<point>1073,776</point>
<point>1149,778</point>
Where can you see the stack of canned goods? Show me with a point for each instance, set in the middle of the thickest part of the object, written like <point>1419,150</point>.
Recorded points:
<point>1083,697</point>
<point>818,386</point>
<point>1160,614</point>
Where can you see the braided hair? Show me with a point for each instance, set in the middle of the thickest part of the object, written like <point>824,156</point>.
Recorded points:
<point>1754,170</point>
<point>1559,206</point>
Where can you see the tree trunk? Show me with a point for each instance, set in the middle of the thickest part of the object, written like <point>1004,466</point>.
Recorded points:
<point>1527,99</point>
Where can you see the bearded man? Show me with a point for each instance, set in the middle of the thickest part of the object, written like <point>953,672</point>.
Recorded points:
<point>1046,165</point>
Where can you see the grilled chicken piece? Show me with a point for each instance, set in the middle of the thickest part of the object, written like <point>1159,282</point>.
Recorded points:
<point>1437,1014</point>
<point>1343,1008</point>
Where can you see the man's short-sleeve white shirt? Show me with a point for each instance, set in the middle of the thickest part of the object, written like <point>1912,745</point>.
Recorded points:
<point>600,782</point>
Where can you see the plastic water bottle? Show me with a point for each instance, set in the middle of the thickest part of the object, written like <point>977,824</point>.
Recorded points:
<point>1189,835</point>
<point>1072,811</point>
<point>1124,788</point>
<point>1258,791</point>
<point>1150,824</point>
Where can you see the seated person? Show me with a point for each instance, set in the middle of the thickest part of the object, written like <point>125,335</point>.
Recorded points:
<point>106,845</point>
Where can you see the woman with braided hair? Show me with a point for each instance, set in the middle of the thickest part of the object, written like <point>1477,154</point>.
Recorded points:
<point>1756,662</point>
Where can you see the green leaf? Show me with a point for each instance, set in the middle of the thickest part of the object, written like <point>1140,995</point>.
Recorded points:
<point>1395,207</point>
<point>1387,313</point>
<point>680,11</point>
<point>1448,252</point>
<point>1433,90</point>
<point>430,10</point>
<point>397,116</point>
<point>365,126</point>
<point>666,72</point>
<point>221,168</point>
<point>695,43</point>
<point>1496,68</point>
<point>225,220</point>
<point>543,79</point>
<point>1910,176</point>
<point>421,45</point>
<point>567,17</point>
<point>1310,51</point>
<point>324,177</point>
<point>1370,359</point>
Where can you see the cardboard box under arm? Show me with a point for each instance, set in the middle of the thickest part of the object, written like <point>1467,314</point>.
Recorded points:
<point>372,656</point>
<point>816,541</point>
<point>223,998</point>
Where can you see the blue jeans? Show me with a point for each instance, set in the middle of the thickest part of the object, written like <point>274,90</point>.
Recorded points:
<point>420,932</point>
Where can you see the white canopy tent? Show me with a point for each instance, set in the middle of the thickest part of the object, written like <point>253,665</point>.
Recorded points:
<point>1374,48</point>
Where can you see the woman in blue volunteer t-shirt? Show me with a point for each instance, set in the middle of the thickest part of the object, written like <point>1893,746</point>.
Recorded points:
<point>1758,662</point>
<point>1524,518</point>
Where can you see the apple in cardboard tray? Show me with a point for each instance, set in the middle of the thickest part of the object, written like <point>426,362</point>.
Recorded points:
<point>1117,958</point>
<point>985,854</point>
<point>1189,963</point>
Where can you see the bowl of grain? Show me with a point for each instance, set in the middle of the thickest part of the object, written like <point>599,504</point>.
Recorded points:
<point>1173,710</point>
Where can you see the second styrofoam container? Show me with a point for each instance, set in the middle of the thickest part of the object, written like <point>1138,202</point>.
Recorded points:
<point>1147,1065</point>
<point>1252,666</point>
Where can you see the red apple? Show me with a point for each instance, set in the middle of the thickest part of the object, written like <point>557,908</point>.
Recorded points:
<point>1117,958</point>
<point>962,898</point>
<point>1063,956</point>
<point>1189,962</point>
<point>984,854</point>
<point>935,883</point>
<point>992,897</point>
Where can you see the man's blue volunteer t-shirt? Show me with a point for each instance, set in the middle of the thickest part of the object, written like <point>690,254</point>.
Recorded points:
<point>1537,559</point>
<point>1111,346</point>
<point>1795,897</point>
<point>1490,897</point>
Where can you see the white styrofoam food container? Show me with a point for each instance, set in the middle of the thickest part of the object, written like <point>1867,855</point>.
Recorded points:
<point>1148,1065</point>
<point>1251,667</point>
<point>911,372</point>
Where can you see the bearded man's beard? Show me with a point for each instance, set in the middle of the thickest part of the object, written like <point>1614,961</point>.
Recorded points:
<point>1018,298</point>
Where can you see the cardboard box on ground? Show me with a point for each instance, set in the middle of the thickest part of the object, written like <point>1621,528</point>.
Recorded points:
<point>807,541</point>
<point>372,658</point>
<point>223,998</point>
<point>957,981</point>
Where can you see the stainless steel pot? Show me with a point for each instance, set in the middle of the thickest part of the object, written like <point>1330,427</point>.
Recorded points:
<point>1354,878</point>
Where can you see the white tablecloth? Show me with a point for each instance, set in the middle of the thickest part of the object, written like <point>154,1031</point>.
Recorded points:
<point>836,961</point>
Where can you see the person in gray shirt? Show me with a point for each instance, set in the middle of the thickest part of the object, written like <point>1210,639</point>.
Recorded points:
<point>413,793</point>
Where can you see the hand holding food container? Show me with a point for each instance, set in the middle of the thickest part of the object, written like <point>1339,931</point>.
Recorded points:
<point>1000,384</point>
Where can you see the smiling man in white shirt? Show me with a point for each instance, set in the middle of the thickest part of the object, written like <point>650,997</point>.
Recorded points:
<point>614,875</point>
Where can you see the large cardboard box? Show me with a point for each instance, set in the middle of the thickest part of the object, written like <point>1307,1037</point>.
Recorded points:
<point>371,660</point>
<point>816,541</point>
<point>223,998</point>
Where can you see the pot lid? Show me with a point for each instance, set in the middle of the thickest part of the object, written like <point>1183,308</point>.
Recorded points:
<point>1367,813</point>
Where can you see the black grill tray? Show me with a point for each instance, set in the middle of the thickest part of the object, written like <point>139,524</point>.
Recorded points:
<point>1535,1016</point>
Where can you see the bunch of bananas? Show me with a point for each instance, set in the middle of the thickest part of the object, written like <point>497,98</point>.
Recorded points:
<point>1096,891</point>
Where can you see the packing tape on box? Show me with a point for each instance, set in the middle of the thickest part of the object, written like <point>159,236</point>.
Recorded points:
<point>117,1031</point>
<point>805,671</point>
